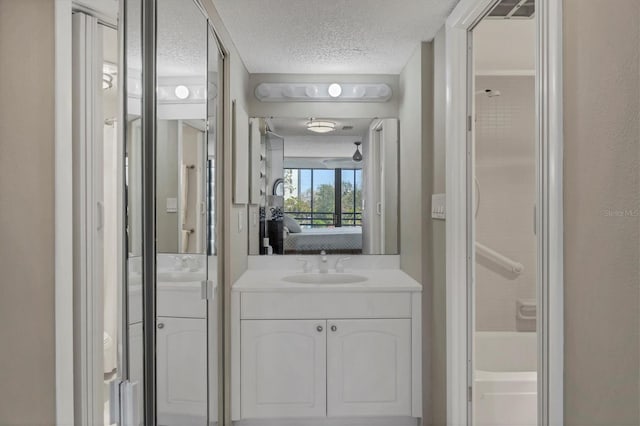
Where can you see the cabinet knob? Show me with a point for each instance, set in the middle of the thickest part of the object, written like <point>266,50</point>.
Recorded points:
<point>334,328</point>
<point>319,328</point>
<point>161,325</point>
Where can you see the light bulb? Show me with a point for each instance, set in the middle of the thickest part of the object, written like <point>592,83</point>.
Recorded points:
<point>181,92</point>
<point>335,90</point>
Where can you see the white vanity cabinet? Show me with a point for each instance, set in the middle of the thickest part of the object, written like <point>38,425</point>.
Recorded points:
<point>369,367</point>
<point>313,352</point>
<point>182,371</point>
<point>283,368</point>
<point>181,354</point>
<point>317,368</point>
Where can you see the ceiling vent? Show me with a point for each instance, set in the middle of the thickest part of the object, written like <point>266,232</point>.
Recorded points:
<point>513,9</point>
<point>347,127</point>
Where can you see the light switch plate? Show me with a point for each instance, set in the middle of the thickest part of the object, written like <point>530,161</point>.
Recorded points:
<point>438,206</point>
<point>172,205</point>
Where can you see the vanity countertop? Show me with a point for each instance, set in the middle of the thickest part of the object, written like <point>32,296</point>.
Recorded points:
<point>378,280</point>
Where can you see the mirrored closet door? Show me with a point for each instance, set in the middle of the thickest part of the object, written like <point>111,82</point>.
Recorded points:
<point>181,339</point>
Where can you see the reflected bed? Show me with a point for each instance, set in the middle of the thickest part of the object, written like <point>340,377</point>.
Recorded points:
<point>346,239</point>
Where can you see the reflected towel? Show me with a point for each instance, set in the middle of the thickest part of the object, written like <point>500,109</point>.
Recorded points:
<point>185,241</point>
<point>184,193</point>
<point>109,347</point>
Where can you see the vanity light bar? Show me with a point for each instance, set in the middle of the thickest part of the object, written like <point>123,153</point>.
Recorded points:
<point>181,93</point>
<point>168,92</point>
<point>320,92</point>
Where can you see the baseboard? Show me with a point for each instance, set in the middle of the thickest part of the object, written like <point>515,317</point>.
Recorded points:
<point>329,421</point>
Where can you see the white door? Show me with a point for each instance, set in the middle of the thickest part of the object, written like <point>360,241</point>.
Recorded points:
<point>283,368</point>
<point>369,367</point>
<point>182,367</point>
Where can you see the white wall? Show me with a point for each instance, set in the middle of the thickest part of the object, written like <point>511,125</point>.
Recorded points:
<point>434,342</point>
<point>505,46</point>
<point>27,354</point>
<point>320,146</point>
<point>416,116</point>
<point>601,178</point>
<point>415,127</point>
<point>238,249</point>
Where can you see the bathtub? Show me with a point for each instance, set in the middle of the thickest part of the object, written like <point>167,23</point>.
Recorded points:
<point>505,379</point>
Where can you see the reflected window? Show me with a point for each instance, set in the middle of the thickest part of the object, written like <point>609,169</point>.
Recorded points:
<point>311,198</point>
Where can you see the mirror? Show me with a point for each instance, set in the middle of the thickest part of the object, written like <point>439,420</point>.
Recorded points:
<point>335,191</point>
<point>184,317</point>
<point>181,188</point>
<point>189,113</point>
<point>181,128</point>
<point>181,132</point>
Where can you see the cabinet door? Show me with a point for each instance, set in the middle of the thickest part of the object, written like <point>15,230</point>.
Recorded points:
<point>182,371</point>
<point>136,363</point>
<point>369,367</point>
<point>283,368</point>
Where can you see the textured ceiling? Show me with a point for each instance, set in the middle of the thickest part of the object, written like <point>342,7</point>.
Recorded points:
<point>181,42</point>
<point>182,39</point>
<point>330,36</point>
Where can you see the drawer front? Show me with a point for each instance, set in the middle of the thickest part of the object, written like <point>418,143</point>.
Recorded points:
<point>324,305</point>
<point>182,300</point>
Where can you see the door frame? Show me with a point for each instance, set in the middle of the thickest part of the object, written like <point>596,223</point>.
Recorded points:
<point>63,215</point>
<point>549,218</point>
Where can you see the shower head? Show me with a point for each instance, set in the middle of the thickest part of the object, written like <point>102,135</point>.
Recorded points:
<point>489,92</point>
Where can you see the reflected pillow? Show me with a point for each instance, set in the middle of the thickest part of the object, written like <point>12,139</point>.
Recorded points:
<point>292,224</point>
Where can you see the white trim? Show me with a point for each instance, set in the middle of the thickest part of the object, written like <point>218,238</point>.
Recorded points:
<point>461,20</point>
<point>63,216</point>
<point>416,355</point>
<point>329,421</point>
<point>550,68</point>
<point>505,73</point>
<point>235,356</point>
<point>105,10</point>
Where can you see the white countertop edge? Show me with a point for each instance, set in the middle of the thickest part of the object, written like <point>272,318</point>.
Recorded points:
<point>379,280</point>
<point>290,262</point>
<point>334,288</point>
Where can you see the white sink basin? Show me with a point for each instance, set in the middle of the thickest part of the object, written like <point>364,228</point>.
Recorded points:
<point>180,277</point>
<point>325,278</point>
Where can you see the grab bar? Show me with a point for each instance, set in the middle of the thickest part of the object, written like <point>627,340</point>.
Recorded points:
<point>499,259</point>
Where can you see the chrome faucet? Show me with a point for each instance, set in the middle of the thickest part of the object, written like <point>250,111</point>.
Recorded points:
<point>306,266</point>
<point>324,263</point>
<point>340,263</point>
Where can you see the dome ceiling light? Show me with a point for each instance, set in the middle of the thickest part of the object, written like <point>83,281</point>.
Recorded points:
<point>321,126</point>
